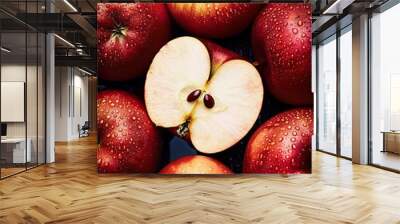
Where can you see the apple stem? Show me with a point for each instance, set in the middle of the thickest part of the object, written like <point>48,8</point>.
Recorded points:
<point>116,24</point>
<point>256,63</point>
<point>119,31</point>
<point>183,129</point>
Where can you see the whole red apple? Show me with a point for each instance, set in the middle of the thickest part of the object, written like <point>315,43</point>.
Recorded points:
<point>127,133</point>
<point>282,144</point>
<point>281,40</point>
<point>195,164</point>
<point>214,20</point>
<point>128,37</point>
<point>203,92</point>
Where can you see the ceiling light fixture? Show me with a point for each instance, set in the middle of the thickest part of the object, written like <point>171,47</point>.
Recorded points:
<point>70,5</point>
<point>84,71</point>
<point>5,50</point>
<point>337,7</point>
<point>65,41</point>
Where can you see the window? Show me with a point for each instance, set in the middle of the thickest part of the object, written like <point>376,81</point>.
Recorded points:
<point>385,89</point>
<point>327,95</point>
<point>345,92</point>
<point>22,77</point>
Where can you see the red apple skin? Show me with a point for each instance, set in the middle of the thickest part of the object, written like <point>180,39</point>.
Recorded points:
<point>108,161</point>
<point>129,56</point>
<point>127,133</point>
<point>214,20</point>
<point>282,144</point>
<point>281,41</point>
<point>218,54</point>
<point>195,164</point>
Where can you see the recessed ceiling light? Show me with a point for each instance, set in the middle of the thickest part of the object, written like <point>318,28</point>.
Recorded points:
<point>5,50</point>
<point>84,71</point>
<point>337,7</point>
<point>65,41</point>
<point>70,5</point>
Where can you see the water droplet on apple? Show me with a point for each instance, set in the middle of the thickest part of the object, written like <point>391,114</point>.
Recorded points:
<point>300,23</point>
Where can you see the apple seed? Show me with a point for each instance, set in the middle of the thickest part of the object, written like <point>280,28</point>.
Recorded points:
<point>208,101</point>
<point>194,95</point>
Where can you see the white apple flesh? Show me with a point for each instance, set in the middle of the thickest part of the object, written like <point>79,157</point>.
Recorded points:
<point>182,66</point>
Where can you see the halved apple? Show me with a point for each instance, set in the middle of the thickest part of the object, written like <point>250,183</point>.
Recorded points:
<point>213,100</point>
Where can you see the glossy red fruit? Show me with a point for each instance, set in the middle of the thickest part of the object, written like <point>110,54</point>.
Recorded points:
<point>281,40</point>
<point>108,161</point>
<point>195,165</point>
<point>214,20</point>
<point>125,129</point>
<point>128,37</point>
<point>282,144</point>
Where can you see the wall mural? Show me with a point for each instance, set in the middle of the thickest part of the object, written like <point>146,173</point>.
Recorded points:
<point>204,88</point>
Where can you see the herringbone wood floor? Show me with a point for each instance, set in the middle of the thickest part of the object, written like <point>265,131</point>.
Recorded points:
<point>70,191</point>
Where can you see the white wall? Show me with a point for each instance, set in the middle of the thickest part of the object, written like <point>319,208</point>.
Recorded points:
<point>71,102</point>
<point>33,127</point>
<point>14,72</point>
<point>80,110</point>
<point>62,82</point>
<point>17,72</point>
